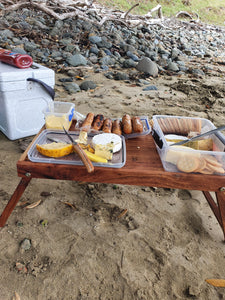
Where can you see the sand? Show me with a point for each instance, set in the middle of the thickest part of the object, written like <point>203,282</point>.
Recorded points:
<point>164,247</point>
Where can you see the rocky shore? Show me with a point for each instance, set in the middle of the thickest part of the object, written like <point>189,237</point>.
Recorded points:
<point>163,48</point>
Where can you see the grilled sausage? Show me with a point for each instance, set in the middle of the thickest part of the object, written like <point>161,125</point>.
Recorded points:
<point>116,127</point>
<point>127,124</point>
<point>86,125</point>
<point>107,126</point>
<point>137,125</point>
<point>98,122</point>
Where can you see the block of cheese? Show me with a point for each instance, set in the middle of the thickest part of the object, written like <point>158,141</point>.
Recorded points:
<point>205,145</point>
<point>108,138</point>
<point>82,139</point>
<point>176,152</point>
<point>106,144</point>
<point>104,151</point>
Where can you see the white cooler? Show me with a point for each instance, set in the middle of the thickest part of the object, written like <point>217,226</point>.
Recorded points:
<point>22,99</point>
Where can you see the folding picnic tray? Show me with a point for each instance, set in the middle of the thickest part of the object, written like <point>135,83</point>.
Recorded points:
<point>143,167</point>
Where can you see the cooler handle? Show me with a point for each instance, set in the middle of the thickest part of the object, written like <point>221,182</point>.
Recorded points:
<point>45,86</point>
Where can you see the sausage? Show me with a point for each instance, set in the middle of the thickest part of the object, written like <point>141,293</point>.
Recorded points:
<point>86,125</point>
<point>116,127</point>
<point>98,122</point>
<point>107,126</point>
<point>127,124</point>
<point>137,124</point>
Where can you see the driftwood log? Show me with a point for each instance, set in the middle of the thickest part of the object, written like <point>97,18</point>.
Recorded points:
<point>63,9</point>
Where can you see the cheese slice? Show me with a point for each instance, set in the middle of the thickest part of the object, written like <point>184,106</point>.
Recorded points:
<point>110,141</point>
<point>104,151</point>
<point>82,139</point>
<point>176,152</point>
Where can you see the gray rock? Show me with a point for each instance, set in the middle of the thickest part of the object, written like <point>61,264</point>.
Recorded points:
<point>109,75</point>
<point>147,66</point>
<point>95,39</point>
<point>132,56</point>
<point>25,245</point>
<point>129,63</point>
<point>143,81</point>
<point>198,72</point>
<point>71,88</point>
<point>6,33</point>
<point>174,53</point>
<point>127,47</point>
<point>30,46</point>
<point>94,50</point>
<point>88,85</point>
<point>150,88</point>
<point>65,79</point>
<point>172,67</point>
<point>77,60</point>
<point>19,50</point>
<point>121,76</point>
<point>104,43</point>
<point>93,59</point>
<point>55,54</point>
<point>107,60</point>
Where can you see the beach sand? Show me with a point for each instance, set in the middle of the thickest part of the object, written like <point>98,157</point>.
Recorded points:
<point>164,247</point>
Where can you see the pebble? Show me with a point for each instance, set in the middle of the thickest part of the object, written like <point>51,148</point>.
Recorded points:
<point>72,87</point>
<point>150,88</point>
<point>146,65</point>
<point>88,85</point>
<point>77,60</point>
<point>25,244</point>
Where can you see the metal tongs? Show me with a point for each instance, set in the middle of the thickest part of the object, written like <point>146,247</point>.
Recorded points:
<point>88,164</point>
<point>199,136</point>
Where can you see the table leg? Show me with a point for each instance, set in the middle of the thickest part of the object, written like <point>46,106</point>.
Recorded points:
<point>220,196</point>
<point>219,208</point>
<point>14,200</point>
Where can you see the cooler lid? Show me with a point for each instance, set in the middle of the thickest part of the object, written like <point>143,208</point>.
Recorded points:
<point>12,74</point>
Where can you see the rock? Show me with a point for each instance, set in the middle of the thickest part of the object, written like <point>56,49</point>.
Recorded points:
<point>172,67</point>
<point>65,79</point>
<point>88,85</point>
<point>107,60</point>
<point>150,88</point>
<point>6,33</point>
<point>94,50</point>
<point>129,63</point>
<point>71,88</point>
<point>19,50</point>
<point>143,81</point>
<point>147,66</point>
<point>94,39</point>
<point>77,60</point>
<point>30,46</point>
<point>132,56</point>
<point>25,245</point>
<point>120,76</point>
<point>198,72</point>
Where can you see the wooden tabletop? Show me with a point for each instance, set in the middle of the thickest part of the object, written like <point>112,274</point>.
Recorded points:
<point>143,167</point>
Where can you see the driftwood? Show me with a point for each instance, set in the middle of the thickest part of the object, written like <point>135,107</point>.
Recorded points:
<point>82,9</point>
<point>186,14</point>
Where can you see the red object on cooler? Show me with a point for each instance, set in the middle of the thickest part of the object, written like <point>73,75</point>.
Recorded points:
<point>21,61</point>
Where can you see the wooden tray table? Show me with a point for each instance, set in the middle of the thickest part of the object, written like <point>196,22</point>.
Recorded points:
<point>143,167</point>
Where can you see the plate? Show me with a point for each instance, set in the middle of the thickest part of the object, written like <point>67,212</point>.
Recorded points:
<point>118,160</point>
<point>144,121</point>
